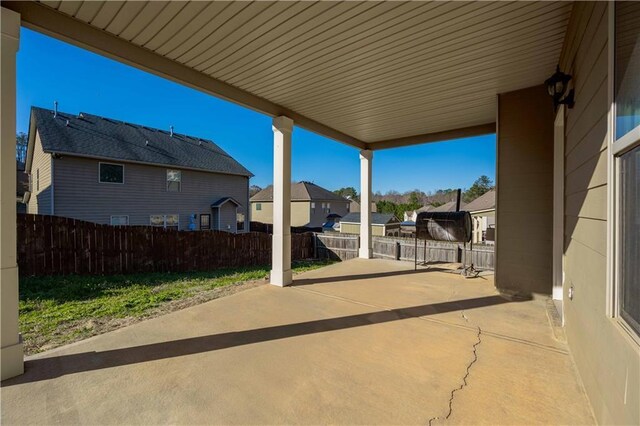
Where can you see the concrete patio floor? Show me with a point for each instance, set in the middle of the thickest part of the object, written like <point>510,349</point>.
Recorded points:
<point>359,342</point>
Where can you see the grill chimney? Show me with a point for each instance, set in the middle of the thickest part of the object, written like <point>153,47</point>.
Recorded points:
<point>55,109</point>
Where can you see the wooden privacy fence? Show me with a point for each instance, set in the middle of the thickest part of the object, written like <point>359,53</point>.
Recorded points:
<point>345,246</point>
<point>51,245</point>
<point>336,246</point>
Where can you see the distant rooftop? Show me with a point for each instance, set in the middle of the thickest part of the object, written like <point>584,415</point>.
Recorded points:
<point>486,201</point>
<point>448,207</point>
<point>376,218</point>
<point>301,191</point>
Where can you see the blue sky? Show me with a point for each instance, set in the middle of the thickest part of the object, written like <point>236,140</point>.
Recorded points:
<point>50,70</point>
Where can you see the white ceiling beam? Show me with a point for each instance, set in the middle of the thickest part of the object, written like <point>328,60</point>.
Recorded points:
<point>465,132</point>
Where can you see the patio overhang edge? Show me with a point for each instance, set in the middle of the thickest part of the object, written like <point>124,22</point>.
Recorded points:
<point>464,132</point>
<point>55,24</point>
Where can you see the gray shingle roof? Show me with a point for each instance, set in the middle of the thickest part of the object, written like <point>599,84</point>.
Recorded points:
<point>486,201</point>
<point>448,207</point>
<point>221,201</point>
<point>301,191</point>
<point>98,137</point>
<point>376,218</point>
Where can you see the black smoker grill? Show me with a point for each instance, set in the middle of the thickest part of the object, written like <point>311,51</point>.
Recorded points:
<point>453,227</point>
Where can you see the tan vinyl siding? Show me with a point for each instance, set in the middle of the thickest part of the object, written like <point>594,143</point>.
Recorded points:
<point>264,215</point>
<point>300,211</point>
<point>40,201</point>
<point>524,194</point>
<point>79,195</point>
<point>301,214</point>
<point>608,361</point>
<point>354,228</point>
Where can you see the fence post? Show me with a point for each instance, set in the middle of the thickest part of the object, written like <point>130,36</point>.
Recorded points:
<point>397,250</point>
<point>315,245</point>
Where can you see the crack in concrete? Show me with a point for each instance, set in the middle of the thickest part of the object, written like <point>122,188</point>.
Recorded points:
<point>464,378</point>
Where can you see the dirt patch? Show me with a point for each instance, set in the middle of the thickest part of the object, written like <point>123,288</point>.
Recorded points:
<point>79,330</point>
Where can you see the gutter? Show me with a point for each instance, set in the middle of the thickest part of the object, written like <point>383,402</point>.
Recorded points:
<point>175,166</point>
<point>52,184</point>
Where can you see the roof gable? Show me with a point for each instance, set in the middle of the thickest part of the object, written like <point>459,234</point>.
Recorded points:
<point>376,218</point>
<point>486,201</point>
<point>448,207</point>
<point>89,135</point>
<point>300,191</point>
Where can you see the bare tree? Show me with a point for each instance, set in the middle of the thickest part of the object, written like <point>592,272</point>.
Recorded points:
<point>21,148</point>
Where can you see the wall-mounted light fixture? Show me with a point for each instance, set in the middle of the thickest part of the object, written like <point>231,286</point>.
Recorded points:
<point>557,86</point>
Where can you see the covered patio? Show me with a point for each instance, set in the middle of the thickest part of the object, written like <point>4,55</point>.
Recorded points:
<point>358,342</point>
<point>372,341</point>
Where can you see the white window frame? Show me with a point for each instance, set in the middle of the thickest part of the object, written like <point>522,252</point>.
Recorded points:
<point>164,220</point>
<point>177,225</point>
<point>616,148</point>
<point>112,164</point>
<point>119,215</point>
<point>179,181</point>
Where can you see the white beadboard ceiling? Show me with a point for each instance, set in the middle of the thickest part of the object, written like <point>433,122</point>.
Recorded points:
<point>375,71</point>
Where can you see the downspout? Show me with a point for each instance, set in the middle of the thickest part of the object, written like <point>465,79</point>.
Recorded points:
<point>52,184</point>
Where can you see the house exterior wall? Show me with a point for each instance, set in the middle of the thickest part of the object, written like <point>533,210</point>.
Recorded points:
<point>79,195</point>
<point>301,214</point>
<point>607,358</point>
<point>300,211</point>
<point>319,217</point>
<point>40,201</point>
<point>354,228</point>
<point>524,191</point>
<point>227,218</point>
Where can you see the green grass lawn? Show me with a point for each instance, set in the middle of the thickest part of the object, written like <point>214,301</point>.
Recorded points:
<point>58,310</point>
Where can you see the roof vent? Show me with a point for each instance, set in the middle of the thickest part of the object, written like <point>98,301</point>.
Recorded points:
<point>55,109</point>
<point>200,143</point>
<point>81,115</point>
<point>171,131</point>
<point>67,123</point>
<point>146,143</point>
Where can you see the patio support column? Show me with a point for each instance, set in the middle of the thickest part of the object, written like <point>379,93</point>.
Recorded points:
<point>11,350</point>
<point>366,157</point>
<point>281,247</point>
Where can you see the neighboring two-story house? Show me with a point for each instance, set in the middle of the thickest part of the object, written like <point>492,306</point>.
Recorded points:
<point>483,215</point>
<point>112,172</point>
<point>310,205</point>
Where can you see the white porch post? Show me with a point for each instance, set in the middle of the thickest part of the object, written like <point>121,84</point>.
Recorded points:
<point>366,157</point>
<point>281,247</point>
<point>11,350</point>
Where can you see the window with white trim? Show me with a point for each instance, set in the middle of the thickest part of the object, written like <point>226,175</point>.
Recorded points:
<point>174,180</point>
<point>165,220</point>
<point>119,220</point>
<point>626,152</point>
<point>110,173</point>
